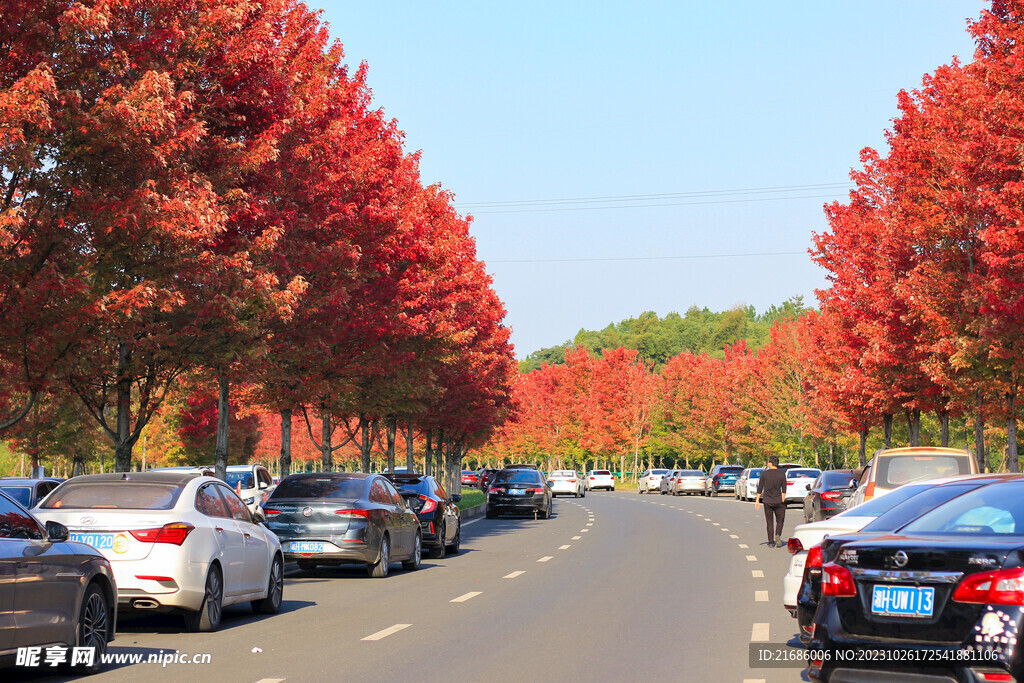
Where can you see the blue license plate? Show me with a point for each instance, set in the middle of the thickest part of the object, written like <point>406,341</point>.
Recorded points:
<point>903,601</point>
<point>98,541</point>
<point>306,547</point>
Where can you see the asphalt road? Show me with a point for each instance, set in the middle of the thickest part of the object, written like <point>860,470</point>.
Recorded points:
<point>615,586</point>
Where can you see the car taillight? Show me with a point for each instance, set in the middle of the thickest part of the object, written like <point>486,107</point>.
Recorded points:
<point>794,545</point>
<point>869,491</point>
<point>813,557</point>
<point>591,479</point>
<point>789,483</point>
<point>995,676</point>
<point>270,512</point>
<point>837,581</point>
<point>495,489</point>
<point>428,504</point>
<point>354,512</point>
<point>174,533</point>
<point>572,481</point>
<point>831,495</point>
<point>1000,587</point>
<point>535,490</point>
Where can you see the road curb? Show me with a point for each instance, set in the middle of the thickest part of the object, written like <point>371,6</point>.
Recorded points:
<point>473,512</point>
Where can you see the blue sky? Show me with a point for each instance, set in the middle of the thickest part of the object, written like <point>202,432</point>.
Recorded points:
<point>671,126</point>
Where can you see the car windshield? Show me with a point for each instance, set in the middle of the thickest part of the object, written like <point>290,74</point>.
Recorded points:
<point>22,494</point>
<point>113,495</point>
<point>805,474</point>
<point>603,472</point>
<point>344,488</point>
<point>563,474</point>
<point>994,509</point>
<point>518,477</point>
<point>755,474</point>
<point>232,478</point>
<point>904,469</point>
<point>915,506</point>
<point>661,472</point>
<point>880,504</point>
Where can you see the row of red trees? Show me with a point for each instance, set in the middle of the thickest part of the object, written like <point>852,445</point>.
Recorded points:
<point>925,308</point>
<point>202,188</point>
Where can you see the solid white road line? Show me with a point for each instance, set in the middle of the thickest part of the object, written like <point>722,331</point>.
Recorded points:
<point>756,573</point>
<point>472,594</point>
<point>387,632</point>
<point>753,680</point>
<point>759,634</point>
<point>546,558</point>
<point>270,680</point>
<point>564,547</point>
<point>513,575</point>
<point>472,521</point>
<point>760,596</point>
<point>751,558</point>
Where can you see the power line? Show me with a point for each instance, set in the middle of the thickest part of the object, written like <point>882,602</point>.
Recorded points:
<point>649,206</point>
<point>654,258</point>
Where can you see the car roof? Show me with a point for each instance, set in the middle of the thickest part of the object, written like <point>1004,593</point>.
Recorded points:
<point>920,450</point>
<point>162,477</point>
<point>21,480</point>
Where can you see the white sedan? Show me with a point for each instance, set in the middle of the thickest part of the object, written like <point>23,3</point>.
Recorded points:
<point>600,479</point>
<point>799,481</point>
<point>177,542</point>
<point>567,483</point>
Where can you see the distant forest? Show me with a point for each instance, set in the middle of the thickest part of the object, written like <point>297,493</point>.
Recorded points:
<point>658,339</point>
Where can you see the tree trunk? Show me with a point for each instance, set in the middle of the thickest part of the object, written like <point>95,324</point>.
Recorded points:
<point>366,445</point>
<point>1011,431</point>
<point>428,452</point>
<point>410,451</point>
<point>326,451</point>
<point>286,442</point>
<point>439,456</point>
<point>832,455</point>
<point>220,453</point>
<point>979,430</point>
<point>390,431</point>
<point>944,428</point>
<point>123,444</point>
<point>887,429</point>
<point>862,454</point>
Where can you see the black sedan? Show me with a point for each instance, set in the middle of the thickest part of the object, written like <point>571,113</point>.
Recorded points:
<point>332,518</point>
<point>519,491</point>
<point>65,594</point>
<point>828,495</point>
<point>440,520</point>
<point>891,512</point>
<point>944,595</point>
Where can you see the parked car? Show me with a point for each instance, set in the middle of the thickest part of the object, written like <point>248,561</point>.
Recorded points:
<point>470,478</point>
<point>600,479</point>
<point>566,483</point>
<point>519,491</point>
<point>486,476</point>
<point>28,492</point>
<point>689,482</point>
<point>828,495</point>
<point>334,518</point>
<point>894,467</point>
<point>176,542</point>
<point>55,591</point>
<point>665,486</point>
<point>798,482</point>
<point>721,478</point>
<point>950,582</point>
<point>252,483</point>
<point>746,483</point>
<point>929,497</point>
<point>439,515</point>
<point>522,466</point>
<point>650,481</point>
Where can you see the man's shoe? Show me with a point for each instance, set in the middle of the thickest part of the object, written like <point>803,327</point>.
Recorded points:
<point>779,544</point>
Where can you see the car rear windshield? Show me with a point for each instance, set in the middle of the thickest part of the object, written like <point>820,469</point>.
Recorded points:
<point>563,473</point>
<point>345,488</point>
<point>661,472</point>
<point>884,503</point>
<point>22,494</point>
<point>730,470</point>
<point>838,479</point>
<point>602,472</point>
<point>897,470</point>
<point>915,506</point>
<point>114,495</point>
<point>994,509</point>
<point>518,476</point>
<point>691,473</point>
<point>808,474</point>
<point>755,473</point>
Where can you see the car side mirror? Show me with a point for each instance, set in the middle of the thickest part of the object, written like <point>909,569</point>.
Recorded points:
<point>258,516</point>
<point>456,497</point>
<point>264,486</point>
<point>853,484</point>
<point>551,484</point>
<point>56,532</point>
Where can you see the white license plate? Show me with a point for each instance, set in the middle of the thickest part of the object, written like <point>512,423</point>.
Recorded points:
<point>515,492</point>
<point>903,601</point>
<point>306,547</point>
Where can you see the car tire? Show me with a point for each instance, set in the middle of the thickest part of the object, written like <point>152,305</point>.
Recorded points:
<point>379,569</point>
<point>456,544</point>
<point>275,590</point>
<point>208,617</point>
<point>438,552</point>
<point>306,565</point>
<point>543,514</point>
<point>584,494</point>
<point>93,628</point>
<point>490,514</point>
<point>413,563</point>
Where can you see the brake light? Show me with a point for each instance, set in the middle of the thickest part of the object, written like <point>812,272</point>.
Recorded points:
<point>1000,587</point>
<point>794,545</point>
<point>270,512</point>
<point>154,578</point>
<point>837,581</point>
<point>813,557</point>
<point>789,483</point>
<point>869,491</point>
<point>354,512</point>
<point>591,478</point>
<point>495,489</point>
<point>535,490</point>
<point>174,533</point>
<point>428,504</point>
<point>831,495</point>
<point>572,481</point>
<point>995,676</point>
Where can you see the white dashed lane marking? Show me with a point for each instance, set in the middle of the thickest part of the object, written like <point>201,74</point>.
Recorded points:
<point>759,633</point>
<point>472,594</point>
<point>743,545</point>
<point>513,575</point>
<point>760,596</point>
<point>733,536</point>
<point>546,558</point>
<point>751,558</point>
<point>564,547</point>
<point>576,538</point>
<point>757,573</point>
<point>583,531</point>
<point>391,630</point>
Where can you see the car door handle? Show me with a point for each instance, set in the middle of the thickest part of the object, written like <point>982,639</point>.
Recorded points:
<point>247,536</point>
<point>219,529</point>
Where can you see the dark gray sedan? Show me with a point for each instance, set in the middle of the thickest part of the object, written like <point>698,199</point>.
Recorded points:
<point>52,591</point>
<point>332,518</point>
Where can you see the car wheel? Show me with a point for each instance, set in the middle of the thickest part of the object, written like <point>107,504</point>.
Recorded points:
<point>93,628</point>
<point>306,565</point>
<point>275,589</point>
<point>379,569</point>
<point>437,552</point>
<point>490,514</point>
<point>455,546</point>
<point>584,494</point>
<point>413,563</point>
<point>543,514</point>
<point>208,617</point>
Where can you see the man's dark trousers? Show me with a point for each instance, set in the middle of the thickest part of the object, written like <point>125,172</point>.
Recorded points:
<point>778,511</point>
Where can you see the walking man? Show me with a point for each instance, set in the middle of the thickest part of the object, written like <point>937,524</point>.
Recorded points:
<point>772,486</point>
